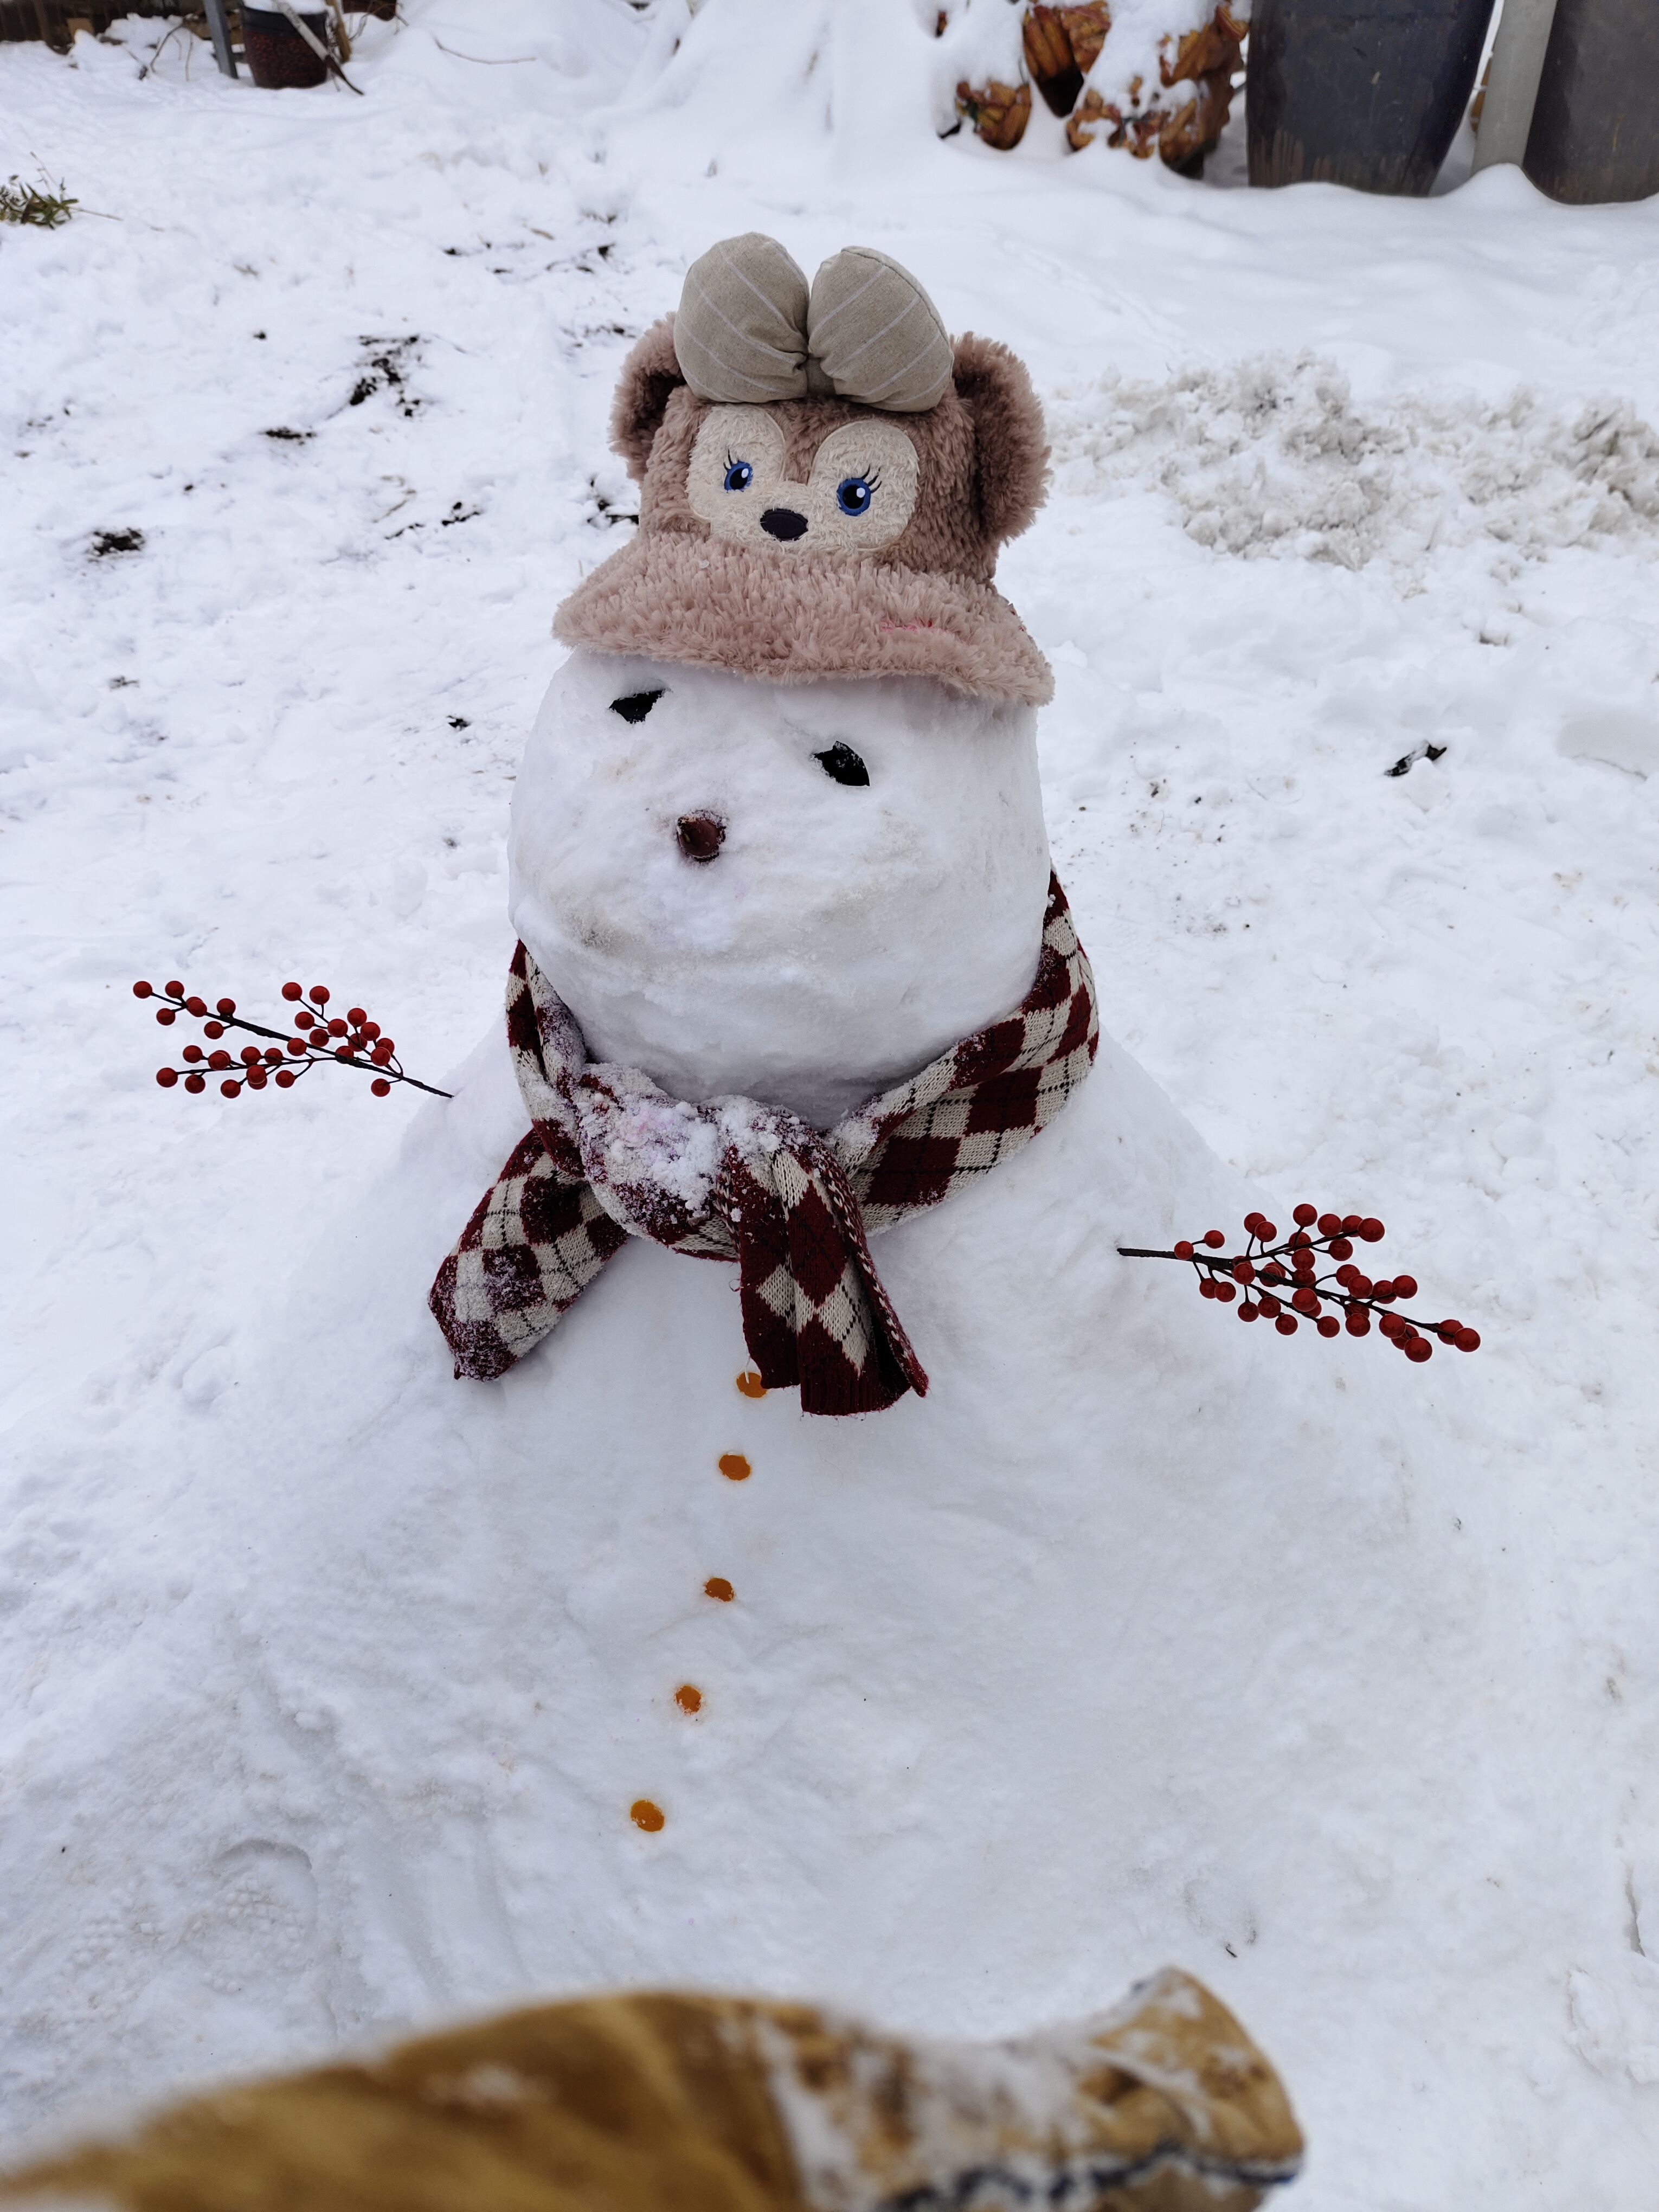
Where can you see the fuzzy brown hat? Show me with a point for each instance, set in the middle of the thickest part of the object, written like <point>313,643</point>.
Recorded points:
<point>825,481</point>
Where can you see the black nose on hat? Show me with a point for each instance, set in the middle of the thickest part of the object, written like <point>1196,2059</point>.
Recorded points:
<point>701,835</point>
<point>783,522</point>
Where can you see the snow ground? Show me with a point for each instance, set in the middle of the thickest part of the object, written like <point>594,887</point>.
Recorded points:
<point>1339,481</point>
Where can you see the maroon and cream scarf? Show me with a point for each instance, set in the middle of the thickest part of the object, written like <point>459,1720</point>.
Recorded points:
<point>610,1155</point>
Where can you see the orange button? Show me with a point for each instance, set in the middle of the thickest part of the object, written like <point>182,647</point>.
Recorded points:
<point>751,1384</point>
<point>717,1586</point>
<point>688,1698</point>
<point>735,1467</point>
<point>644,1814</point>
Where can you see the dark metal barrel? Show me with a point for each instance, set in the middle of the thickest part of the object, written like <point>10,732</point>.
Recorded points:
<point>1596,128</point>
<point>1366,93</point>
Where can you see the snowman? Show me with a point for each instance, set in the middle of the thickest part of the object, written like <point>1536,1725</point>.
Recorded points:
<point>822,1562</point>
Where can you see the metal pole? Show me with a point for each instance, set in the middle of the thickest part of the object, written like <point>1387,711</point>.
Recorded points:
<point>219,29</point>
<point>1518,64</point>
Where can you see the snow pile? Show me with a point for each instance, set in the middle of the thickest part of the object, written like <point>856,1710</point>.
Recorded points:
<point>1272,456</point>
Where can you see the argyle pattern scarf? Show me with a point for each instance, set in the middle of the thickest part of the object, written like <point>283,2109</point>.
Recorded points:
<point>611,1156</point>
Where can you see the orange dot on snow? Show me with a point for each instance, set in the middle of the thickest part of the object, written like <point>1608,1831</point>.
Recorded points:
<point>735,1466</point>
<point>751,1384</point>
<point>717,1586</point>
<point>644,1814</point>
<point>688,1698</point>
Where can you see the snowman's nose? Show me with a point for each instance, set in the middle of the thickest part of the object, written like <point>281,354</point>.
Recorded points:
<point>701,835</point>
<point>783,522</point>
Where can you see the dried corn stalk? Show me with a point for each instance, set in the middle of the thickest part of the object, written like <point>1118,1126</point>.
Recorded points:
<point>998,112</point>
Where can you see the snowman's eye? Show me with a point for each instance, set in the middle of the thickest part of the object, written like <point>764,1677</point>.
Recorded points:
<point>738,475</point>
<point>842,765</point>
<point>636,705</point>
<point>855,493</point>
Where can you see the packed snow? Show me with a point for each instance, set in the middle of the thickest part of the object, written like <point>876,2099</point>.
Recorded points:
<point>328,1681</point>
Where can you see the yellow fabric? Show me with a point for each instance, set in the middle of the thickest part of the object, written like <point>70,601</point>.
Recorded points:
<point>666,2103</point>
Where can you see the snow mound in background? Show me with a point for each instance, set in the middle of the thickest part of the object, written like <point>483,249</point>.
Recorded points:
<point>1272,456</point>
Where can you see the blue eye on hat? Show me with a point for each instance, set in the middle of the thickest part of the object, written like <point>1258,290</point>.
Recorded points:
<point>738,476</point>
<point>854,494</point>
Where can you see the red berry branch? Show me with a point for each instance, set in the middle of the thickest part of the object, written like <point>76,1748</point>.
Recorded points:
<point>315,1038</point>
<point>1281,1282</point>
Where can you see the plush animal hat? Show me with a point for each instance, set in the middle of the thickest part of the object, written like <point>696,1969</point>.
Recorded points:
<point>825,480</point>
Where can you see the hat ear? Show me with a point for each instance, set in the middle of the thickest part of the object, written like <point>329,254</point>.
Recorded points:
<point>1010,448</point>
<point>649,376</point>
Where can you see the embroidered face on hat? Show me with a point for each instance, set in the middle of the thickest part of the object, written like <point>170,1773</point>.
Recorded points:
<point>825,481</point>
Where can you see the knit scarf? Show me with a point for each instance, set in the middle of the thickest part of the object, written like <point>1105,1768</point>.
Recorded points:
<point>610,1155</point>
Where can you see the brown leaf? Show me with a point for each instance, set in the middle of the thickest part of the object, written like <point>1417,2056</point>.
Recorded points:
<point>1048,57</point>
<point>1086,28</point>
<point>1094,109</point>
<point>998,112</point>
<point>1214,47</point>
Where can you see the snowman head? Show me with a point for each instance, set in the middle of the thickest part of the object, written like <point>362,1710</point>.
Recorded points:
<point>825,481</point>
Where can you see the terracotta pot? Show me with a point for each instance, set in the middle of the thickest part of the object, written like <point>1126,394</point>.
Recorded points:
<point>1595,131</point>
<point>1366,93</point>
<point>276,55</point>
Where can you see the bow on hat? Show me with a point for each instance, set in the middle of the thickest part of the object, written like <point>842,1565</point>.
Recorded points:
<point>748,330</point>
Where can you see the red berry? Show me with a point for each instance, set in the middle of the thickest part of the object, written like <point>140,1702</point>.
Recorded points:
<point>1372,1230</point>
<point>1383,1289</point>
<point>1271,1307</point>
<point>1329,1326</point>
<point>343,1052</point>
<point>1351,1225</point>
<point>1405,1286</point>
<point>272,1057</point>
<point>195,1083</point>
<point>1252,1221</point>
<point>388,1047</point>
<point>196,1007</point>
<point>285,1078</point>
<point>1358,1323</point>
<point>1183,1249</point>
<point>166,1077</point>
<point>1361,1284</point>
<point>296,1045</point>
<point>219,1059</point>
<point>1225,1292</point>
<point>382,1054</point>
<point>1206,1287</point>
<point>1330,1224</point>
<point>304,1019</point>
<point>165,1016</point>
<point>1273,1272</point>
<point>1306,1301</point>
<point>1247,1311</point>
<point>193,1052</point>
<point>257,1079</point>
<point>231,1089</point>
<point>1243,1272</point>
<point>1304,1214</point>
<point>1345,1276</point>
<point>318,994</point>
<point>1419,1350</point>
<point>1468,1339</point>
<point>337,1027</point>
<point>213,1028</point>
<point>355,1016</point>
<point>1267,1232</point>
<point>1302,1265</point>
<point>1340,1249</point>
<point>250,1055</point>
<point>142,991</point>
<point>226,1006</point>
<point>379,1086</point>
<point>1286,1324</point>
<point>1390,1324</point>
<point>291,991</point>
<point>175,990</point>
<point>1214,1239</point>
<point>371,1028</point>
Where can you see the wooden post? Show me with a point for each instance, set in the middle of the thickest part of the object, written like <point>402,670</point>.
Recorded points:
<point>219,30</point>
